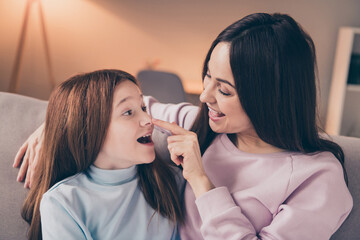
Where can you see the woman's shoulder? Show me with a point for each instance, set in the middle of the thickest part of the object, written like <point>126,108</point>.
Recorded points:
<point>320,168</point>
<point>318,161</point>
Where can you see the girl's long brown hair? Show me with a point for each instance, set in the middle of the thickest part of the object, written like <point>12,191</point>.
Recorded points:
<point>77,120</point>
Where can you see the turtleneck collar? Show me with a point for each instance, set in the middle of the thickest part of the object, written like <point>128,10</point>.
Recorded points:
<point>111,177</point>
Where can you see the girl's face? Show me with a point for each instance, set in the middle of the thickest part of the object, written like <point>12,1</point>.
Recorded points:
<point>226,114</point>
<point>128,140</point>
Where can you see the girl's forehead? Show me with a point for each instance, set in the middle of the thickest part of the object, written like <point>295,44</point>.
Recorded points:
<point>126,91</point>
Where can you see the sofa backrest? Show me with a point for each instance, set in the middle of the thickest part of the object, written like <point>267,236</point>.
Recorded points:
<point>20,116</point>
<point>351,227</point>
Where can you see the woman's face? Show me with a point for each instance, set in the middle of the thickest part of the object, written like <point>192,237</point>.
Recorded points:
<point>226,114</point>
<point>128,140</point>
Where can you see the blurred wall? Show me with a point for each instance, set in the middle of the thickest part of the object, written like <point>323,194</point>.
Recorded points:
<point>85,35</point>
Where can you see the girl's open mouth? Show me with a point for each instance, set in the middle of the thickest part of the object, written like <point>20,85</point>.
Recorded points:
<point>145,139</point>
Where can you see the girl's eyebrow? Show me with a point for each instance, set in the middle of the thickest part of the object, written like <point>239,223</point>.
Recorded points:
<point>224,81</point>
<point>126,99</point>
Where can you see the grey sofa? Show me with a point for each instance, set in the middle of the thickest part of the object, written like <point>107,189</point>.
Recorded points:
<point>20,116</point>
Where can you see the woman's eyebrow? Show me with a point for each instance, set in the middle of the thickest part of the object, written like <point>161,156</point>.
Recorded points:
<point>224,81</point>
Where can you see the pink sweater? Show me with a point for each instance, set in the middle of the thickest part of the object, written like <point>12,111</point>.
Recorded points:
<point>285,195</point>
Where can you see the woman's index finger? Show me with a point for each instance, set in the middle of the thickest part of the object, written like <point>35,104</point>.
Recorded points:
<point>172,127</point>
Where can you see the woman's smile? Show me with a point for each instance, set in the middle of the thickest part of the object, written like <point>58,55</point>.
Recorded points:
<point>215,115</point>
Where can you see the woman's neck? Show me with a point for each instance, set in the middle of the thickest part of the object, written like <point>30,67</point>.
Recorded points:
<point>251,143</point>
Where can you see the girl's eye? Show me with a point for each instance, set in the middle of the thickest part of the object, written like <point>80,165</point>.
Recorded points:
<point>144,108</point>
<point>128,113</point>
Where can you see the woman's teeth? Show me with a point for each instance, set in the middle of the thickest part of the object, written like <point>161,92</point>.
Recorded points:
<point>215,113</point>
<point>145,139</point>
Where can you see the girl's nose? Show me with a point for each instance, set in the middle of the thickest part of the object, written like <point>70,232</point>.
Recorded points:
<point>145,120</point>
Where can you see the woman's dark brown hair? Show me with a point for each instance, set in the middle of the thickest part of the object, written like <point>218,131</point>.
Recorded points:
<point>77,120</point>
<point>273,62</point>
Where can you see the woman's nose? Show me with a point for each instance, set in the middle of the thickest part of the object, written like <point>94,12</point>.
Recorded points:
<point>207,95</point>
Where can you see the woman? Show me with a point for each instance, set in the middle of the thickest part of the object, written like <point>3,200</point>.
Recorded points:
<point>255,165</point>
<point>96,177</point>
<point>261,171</point>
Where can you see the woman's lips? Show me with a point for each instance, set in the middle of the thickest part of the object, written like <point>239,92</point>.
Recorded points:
<point>215,115</point>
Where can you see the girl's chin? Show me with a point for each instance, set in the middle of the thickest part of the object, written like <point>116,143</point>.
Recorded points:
<point>149,158</point>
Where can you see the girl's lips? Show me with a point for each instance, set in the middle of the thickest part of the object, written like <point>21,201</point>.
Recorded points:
<point>150,144</point>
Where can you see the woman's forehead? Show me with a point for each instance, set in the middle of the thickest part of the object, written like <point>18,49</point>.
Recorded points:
<point>219,64</point>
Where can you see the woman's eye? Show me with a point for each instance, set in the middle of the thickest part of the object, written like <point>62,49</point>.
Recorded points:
<point>128,113</point>
<point>144,108</point>
<point>224,93</point>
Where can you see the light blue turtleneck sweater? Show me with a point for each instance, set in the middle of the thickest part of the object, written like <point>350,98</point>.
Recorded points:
<point>101,204</point>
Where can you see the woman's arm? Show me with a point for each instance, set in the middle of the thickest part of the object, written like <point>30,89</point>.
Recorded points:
<point>185,151</point>
<point>316,204</point>
<point>28,156</point>
<point>183,114</point>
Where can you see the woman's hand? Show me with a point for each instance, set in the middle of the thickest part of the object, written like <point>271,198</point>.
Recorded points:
<point>27,157</point>
<point>184,149</point>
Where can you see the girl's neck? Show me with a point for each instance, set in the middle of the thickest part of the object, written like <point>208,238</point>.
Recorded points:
<point>251,143</point>
<point>106,162</point>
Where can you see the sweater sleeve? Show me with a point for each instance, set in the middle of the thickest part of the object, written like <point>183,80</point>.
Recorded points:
<point>57,222</point>
<point>316,203</point>
<point>222,218</point>
<point>183,114</point>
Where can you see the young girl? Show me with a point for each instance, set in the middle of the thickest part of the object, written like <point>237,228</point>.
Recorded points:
<point>96,177</point>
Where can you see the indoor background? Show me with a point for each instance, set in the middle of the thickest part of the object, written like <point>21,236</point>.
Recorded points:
<point>167,35</point>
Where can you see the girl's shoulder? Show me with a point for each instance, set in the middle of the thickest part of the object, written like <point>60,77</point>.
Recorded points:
<point>64,185</point>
